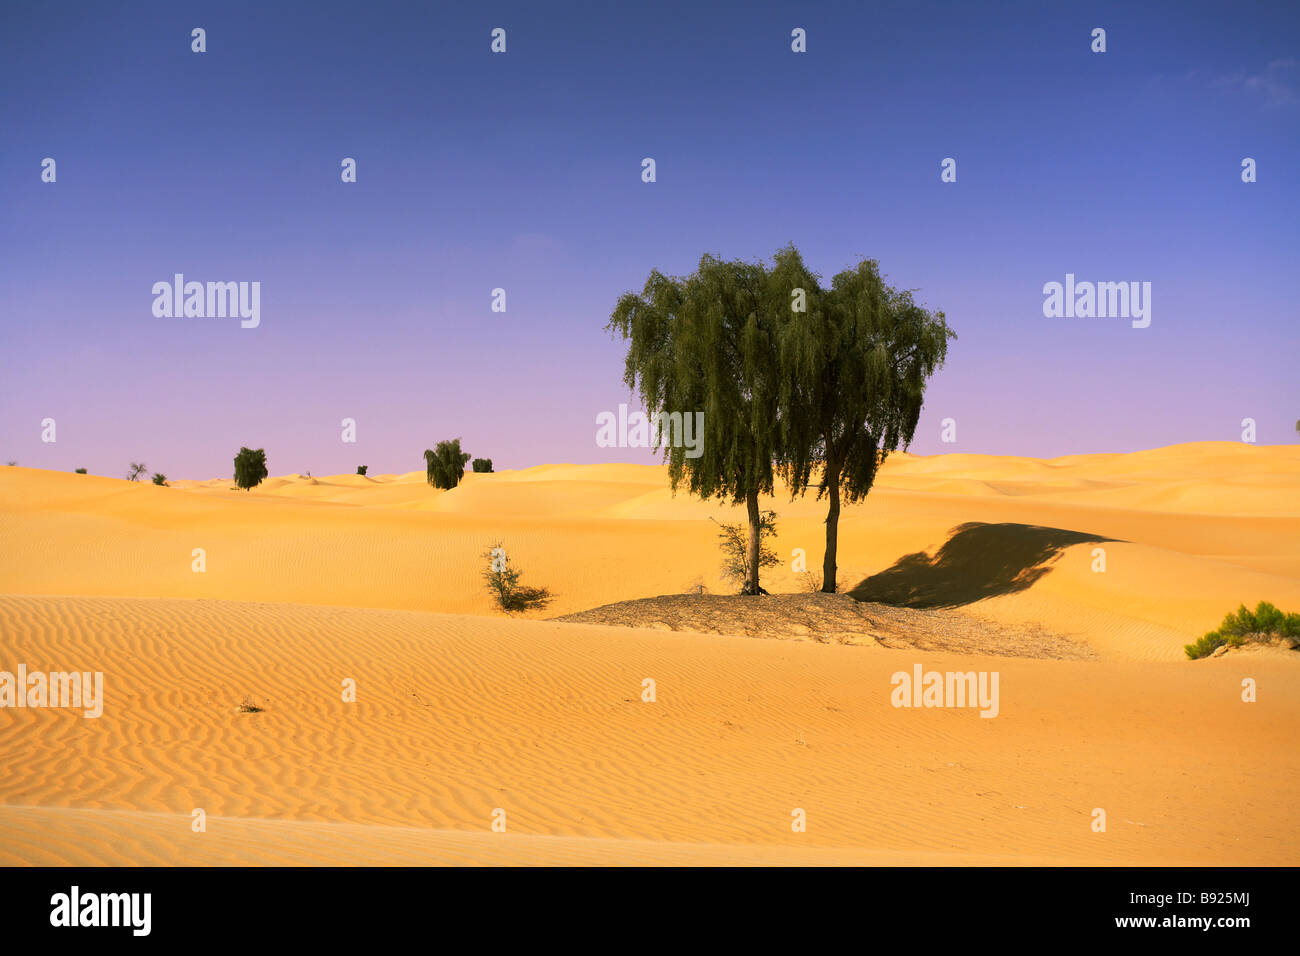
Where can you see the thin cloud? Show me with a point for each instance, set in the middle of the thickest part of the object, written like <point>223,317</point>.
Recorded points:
<point>1276,83</point>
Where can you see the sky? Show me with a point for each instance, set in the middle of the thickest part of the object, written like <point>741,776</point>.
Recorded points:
<point>523,171</point>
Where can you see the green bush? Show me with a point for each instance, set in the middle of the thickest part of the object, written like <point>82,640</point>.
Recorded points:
<point>361,469</point>
<point>734,541</point>
<point>503,582</point>
<point>250,468</point>
<point>159,478</point>
<point>445,466</point>
<point>81,471</point>
<point>482,465</point>
<point>1243,625</point>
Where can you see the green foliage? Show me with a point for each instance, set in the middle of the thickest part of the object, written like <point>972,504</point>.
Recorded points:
<point>853,369</point>
<point>159,478</point>
<point>829,390</point>
<point>136,471</point>
<point>1243,625</point>
<point>81,471</point>
<point>733,541</point>
<point>250,468</point>
<point>707,342</point>
<point>503,583</point>
<point>482,465</point>
<point>445,465</point>
<point>361,469</point>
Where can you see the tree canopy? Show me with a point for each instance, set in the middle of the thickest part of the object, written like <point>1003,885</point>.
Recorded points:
<point>853,375</point>
<point>250,468</point>
<point>444,466</point>
<point>816,385</point>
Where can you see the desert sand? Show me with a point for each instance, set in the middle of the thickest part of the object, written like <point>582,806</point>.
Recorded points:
<point>461,711</point>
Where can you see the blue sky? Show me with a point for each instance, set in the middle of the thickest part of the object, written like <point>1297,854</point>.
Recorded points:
<point>522,171</point>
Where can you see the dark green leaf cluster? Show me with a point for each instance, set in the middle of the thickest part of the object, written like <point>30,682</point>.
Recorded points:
<point>250,468</point>
<point>445,464</point>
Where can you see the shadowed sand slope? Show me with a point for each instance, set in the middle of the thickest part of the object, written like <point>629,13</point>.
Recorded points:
<point>457,716</point>
<point>979,561</point>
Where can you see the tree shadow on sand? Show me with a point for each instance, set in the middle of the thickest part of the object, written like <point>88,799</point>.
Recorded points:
<point>979,561</point>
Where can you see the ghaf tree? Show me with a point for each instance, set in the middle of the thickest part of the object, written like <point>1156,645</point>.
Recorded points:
<point>444,465</point>
<point>708,342</point>
<point>853,372</point>
<point>250,468</point>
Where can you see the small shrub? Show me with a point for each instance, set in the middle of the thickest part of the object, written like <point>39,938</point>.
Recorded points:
<point>503,583</point>
<point>1243,625</point>
<point>81,471</point>
<point>812,581</point>
<point>249,707</point>
<point>734,542</point>
<point>250,468</point>
<point>159,478</point>
<point>136,471</point>
<point>11,464</point>
<point>361,469</point>
<point>482,465</point>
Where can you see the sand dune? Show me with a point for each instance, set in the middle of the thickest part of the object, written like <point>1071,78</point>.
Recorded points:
<point>605,533</point>
<point>456,716</point>
<point>459,711</point>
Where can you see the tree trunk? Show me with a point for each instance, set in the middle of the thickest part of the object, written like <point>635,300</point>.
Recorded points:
<point>755,540</point>
<point>832,528</point>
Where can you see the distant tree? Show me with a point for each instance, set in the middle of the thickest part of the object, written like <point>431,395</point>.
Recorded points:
<point>159,478</point>
<point>81,471</point>
<point>1297,426</point>
<point>445,465</point>
<point>482,465</point>
<point>503,581</point>
<point>11,464</point>
<point>853,373</point>
<point>250,468</point>
<point>707,342</point>
<point>136,471</point>
<point>361,469</point>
